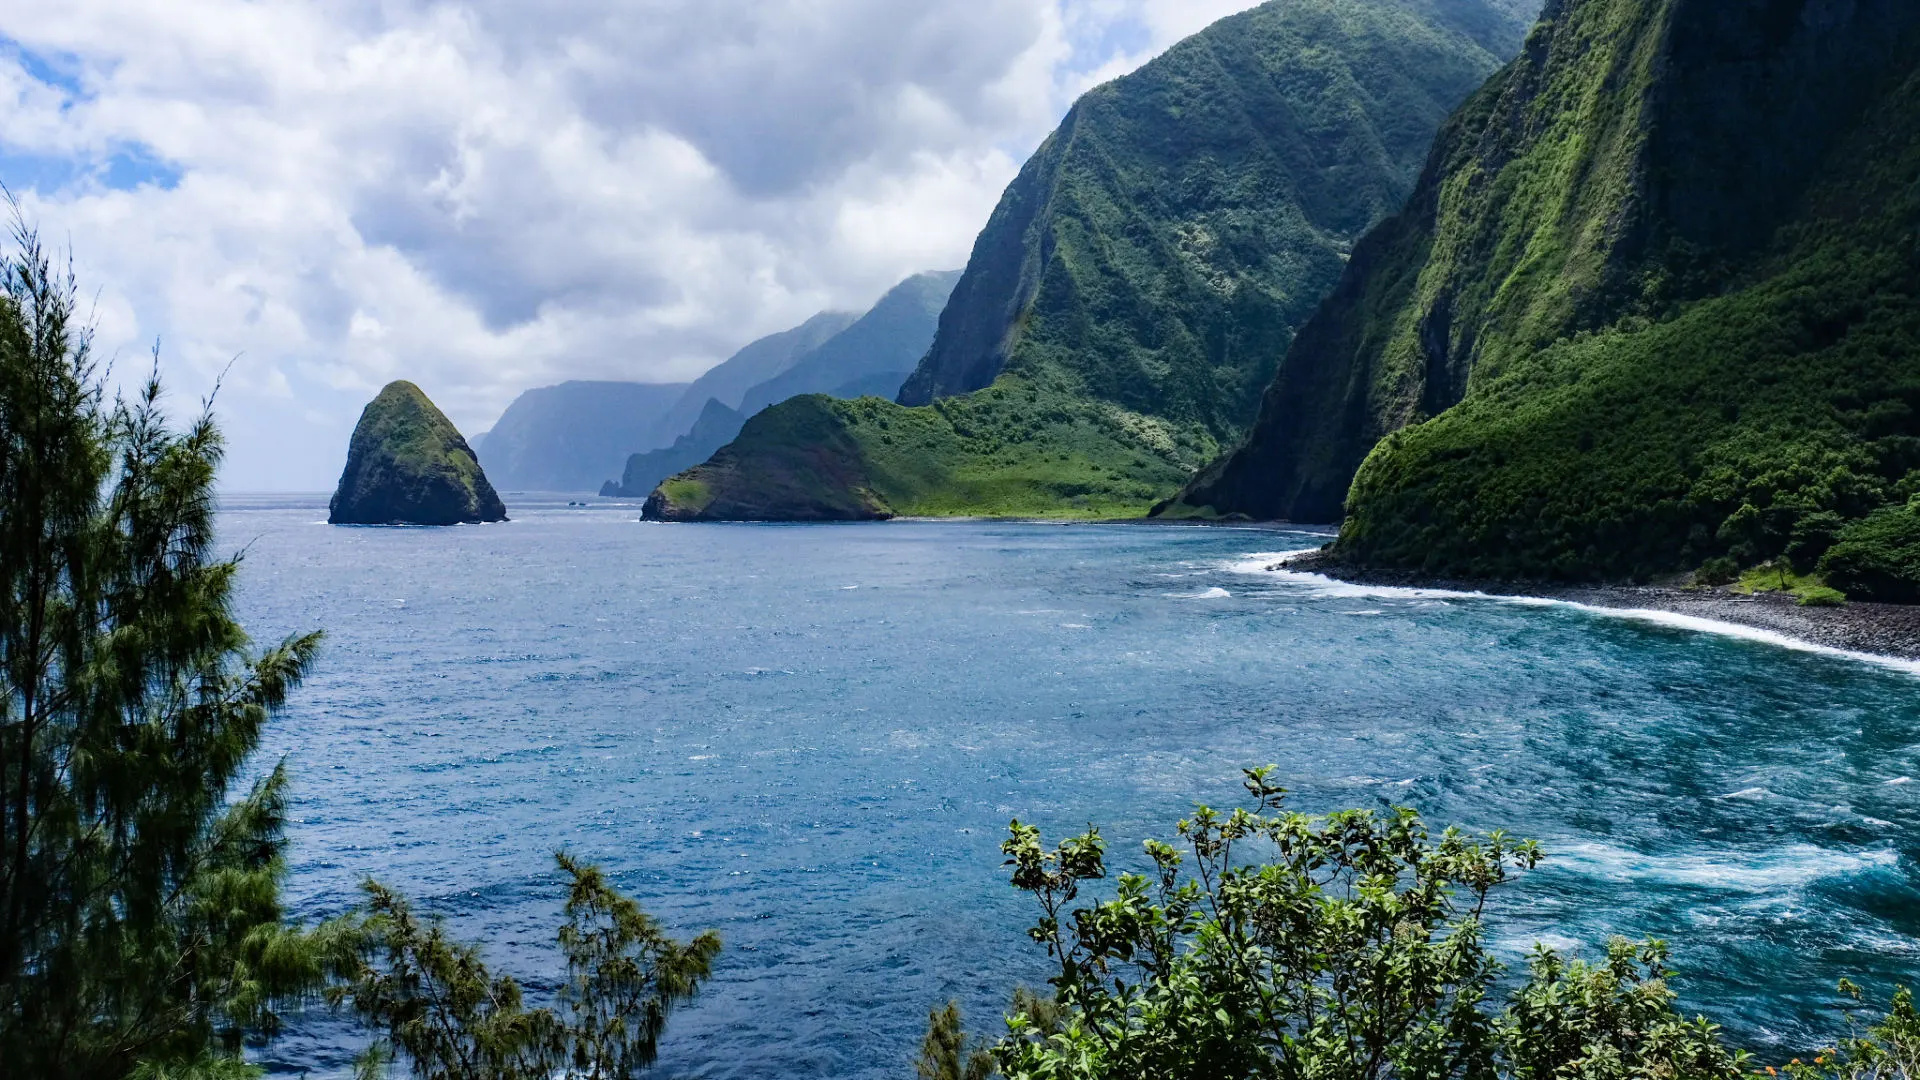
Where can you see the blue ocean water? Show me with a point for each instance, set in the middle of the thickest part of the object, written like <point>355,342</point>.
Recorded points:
<point>812,738</point>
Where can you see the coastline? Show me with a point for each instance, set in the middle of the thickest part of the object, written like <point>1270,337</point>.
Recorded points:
<point>1884,631</point>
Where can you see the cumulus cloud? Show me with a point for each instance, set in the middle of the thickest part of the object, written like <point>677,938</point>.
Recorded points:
<point>318,196</point>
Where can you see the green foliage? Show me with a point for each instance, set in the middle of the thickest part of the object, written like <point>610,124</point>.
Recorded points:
<point>1345,947</point>
<point>141,928</point>
<point>438,1007</point>
<point>1887,1050</point>
<point>1878,558</point>
<point>1126,304</point>
<point>945,1053</point>
<point>1607,1021</point>
<point>1779,576</point>
<point>1719,570</point>
<point>1822,596</point>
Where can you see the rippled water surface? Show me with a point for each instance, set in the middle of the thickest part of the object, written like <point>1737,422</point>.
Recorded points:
<point>812,738</point>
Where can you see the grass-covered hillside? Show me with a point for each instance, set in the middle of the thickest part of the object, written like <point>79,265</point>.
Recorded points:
<point>1657,302</point>
<point>1150,264</point>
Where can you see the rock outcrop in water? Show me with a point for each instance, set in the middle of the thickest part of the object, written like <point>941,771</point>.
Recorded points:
<point>408,465</point>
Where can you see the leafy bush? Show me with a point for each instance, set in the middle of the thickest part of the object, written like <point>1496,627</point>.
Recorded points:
<point>1822,596</point>
<point>1878,558</point>
<point>1357,953</point>
<point>1718,571</point>
<point>437,1005</point>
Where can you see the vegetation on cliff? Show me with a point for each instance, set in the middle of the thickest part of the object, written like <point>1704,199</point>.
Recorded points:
<point>1150,264</point>
<point>408,465</point>
<point>1656,302</point>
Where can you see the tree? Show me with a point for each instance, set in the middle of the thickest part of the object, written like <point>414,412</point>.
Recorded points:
<point>1356,953</point>
<point>437,1005</point>
<point>140,916</point>
<point>946,1053</point>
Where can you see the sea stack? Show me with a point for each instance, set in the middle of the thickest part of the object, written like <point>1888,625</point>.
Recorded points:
<point>408,465</point>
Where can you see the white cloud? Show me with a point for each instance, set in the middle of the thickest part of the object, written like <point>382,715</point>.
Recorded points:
<point>491,196</point>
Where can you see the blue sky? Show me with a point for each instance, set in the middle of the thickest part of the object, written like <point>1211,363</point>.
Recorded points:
<point>484,197</point>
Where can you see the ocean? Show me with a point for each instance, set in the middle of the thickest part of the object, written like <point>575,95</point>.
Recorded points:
<point>812,739</point>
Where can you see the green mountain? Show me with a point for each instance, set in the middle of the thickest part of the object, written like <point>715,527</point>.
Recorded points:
<point>872,354</point>
<point>1656,301</point>
<point>1130,297</point>
<point>569,437</point>
<point>408,465</point>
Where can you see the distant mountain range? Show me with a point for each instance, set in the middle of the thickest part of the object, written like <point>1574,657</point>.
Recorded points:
<point>573,436</point>
<point>868,355</point>
<point>569,437</point>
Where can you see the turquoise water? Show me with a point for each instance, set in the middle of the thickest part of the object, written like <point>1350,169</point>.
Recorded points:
<point>812,738</point>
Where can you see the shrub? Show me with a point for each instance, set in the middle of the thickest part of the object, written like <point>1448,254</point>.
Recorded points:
<point>1822,596</point>
<point>1878,558</point>
<point>1720,571</point>
<point>1358,952</point>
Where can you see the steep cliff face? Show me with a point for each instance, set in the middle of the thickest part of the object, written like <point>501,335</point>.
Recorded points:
<point>408,465</point>
<point>1161,247</point>
<point>1146,270</point>
<point>1654,273</point>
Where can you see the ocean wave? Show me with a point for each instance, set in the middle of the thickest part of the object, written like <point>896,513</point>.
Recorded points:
<point>1320,585</point>
<point>1790,867</point>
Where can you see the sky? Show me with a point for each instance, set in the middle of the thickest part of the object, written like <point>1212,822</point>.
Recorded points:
<point>302,200</point>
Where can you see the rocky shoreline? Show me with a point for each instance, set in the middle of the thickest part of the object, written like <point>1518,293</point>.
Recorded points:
<point>1886,630</point>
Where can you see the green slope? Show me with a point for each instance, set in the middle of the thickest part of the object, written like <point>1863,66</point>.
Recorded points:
<point>1655,303</point>
<point>1148,267</point>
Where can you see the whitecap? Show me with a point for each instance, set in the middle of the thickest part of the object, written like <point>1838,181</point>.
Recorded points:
<point>1900,780</point>
<point>1747,793</point>
<point>1322,585</point>
<point>1215,593</point>
<point>1795,865</point>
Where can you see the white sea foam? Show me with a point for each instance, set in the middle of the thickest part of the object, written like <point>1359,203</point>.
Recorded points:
<point>1748,793</point>
<point>1320,585</point>
<point>1793,866</point>
<point>1215,593</point>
